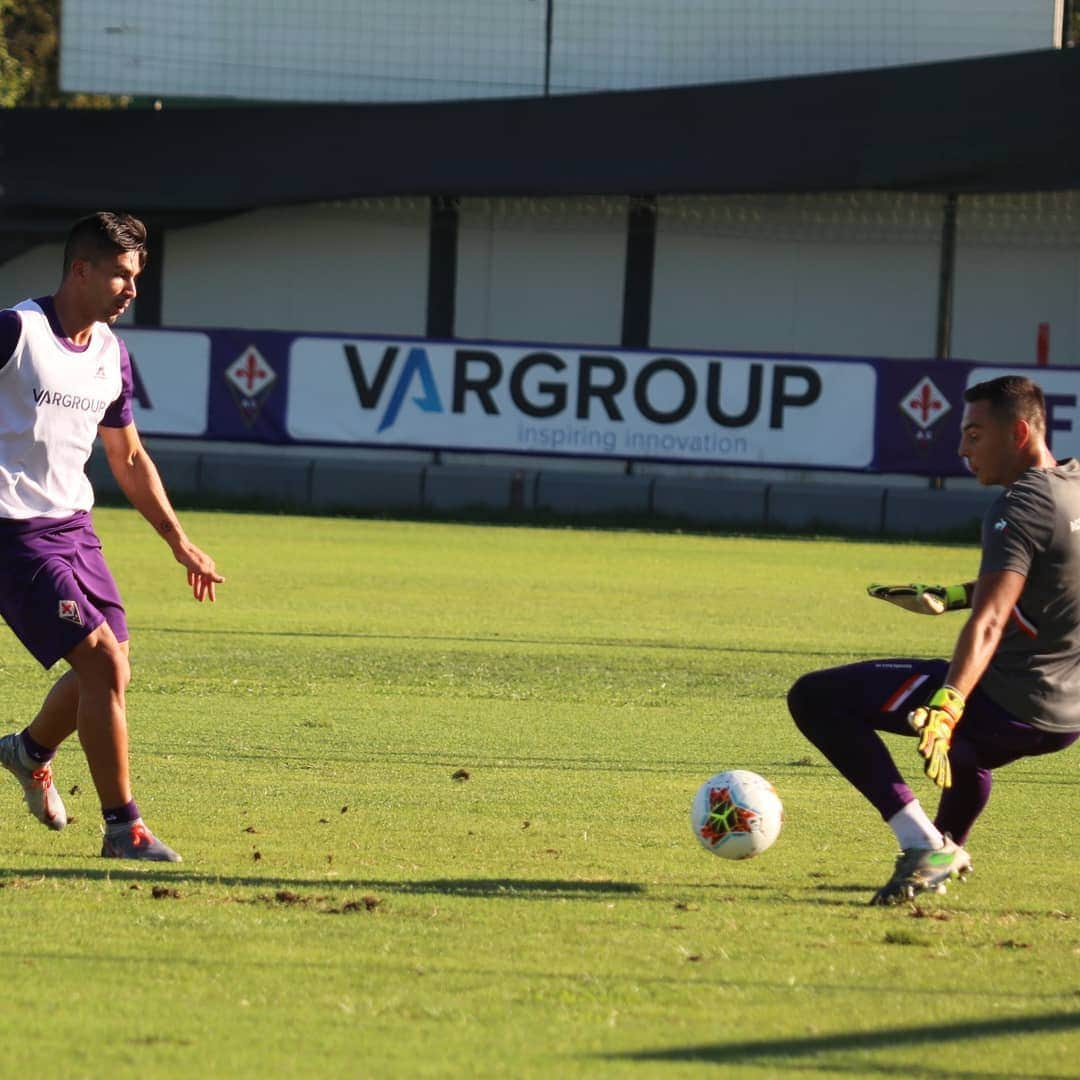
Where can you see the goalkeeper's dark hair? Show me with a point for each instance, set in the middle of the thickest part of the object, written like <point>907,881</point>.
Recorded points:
<point>102,235</point>
<point>1012,397</point>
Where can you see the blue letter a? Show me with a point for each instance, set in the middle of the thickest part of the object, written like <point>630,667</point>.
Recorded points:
<point>416,363</point>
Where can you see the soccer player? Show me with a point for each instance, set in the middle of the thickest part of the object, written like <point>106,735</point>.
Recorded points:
<point>65,377</point>
<point>1012,688</point>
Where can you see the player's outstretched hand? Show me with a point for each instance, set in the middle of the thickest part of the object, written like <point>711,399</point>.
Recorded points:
<point>202,575</point>
<point>922,599</point>
<point>935,722</point>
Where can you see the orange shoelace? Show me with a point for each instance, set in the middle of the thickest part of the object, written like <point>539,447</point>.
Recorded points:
<point>140,835</point>
<point>41,779</point>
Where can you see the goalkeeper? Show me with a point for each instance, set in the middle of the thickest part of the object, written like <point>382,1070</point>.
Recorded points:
<point>1012,687</point>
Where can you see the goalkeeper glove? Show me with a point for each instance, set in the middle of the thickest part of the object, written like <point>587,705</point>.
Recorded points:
<point>935,722</point>
<point>922,599</point>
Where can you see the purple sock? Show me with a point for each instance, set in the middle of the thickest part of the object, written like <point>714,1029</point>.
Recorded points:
<point>121,815</point>
<point>34,750</point>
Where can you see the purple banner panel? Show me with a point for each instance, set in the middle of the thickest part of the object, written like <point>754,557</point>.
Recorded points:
<point>919,405</point>
<point>855,414</point>
<point>249,386</point>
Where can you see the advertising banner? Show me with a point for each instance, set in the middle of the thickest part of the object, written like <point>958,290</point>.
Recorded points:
<point>537,399</point>
<point>171,373</point>
<point>857,414</point>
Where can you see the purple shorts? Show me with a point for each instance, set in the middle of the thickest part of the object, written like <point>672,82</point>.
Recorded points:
<point>55,587</point>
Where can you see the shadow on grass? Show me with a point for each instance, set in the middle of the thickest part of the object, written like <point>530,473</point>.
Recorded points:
<point>936,1035</point>
<point>447,759</point>
<point>469,888</point>
<point>499,639</point>
<point>509,888</point>
<point>861,1071</point>
<point>481,888</point>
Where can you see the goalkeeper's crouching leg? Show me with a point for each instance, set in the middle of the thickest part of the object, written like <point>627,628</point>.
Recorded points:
<point>840,710</point>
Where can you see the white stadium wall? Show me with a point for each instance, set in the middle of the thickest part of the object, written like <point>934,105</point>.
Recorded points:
<point>343,268</point>
<point>835,274</point>
<point>1004,294</point>
<point>541,269</point>
<point>35,272</point>
<point>848,275</point>
<point>420,50</point>
<point>1017,266</point>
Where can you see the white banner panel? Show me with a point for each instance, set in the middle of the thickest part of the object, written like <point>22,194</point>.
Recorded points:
<point>604,403</point>
<point>171,369</point>
<point>1062,389</point>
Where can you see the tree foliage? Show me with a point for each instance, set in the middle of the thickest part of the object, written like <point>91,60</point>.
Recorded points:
<point>30,59</point>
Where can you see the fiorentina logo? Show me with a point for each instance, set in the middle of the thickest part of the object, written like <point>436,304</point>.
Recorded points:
<point>250,380</point>
<point>69,612</point>
<point>924,404</point>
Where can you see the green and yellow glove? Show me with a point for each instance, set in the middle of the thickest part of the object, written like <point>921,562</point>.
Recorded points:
<point>935,722</point>
<point>922,599</point>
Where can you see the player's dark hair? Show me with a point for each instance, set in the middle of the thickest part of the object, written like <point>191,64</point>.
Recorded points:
<point>102,235</point>
<point>1012,397</point>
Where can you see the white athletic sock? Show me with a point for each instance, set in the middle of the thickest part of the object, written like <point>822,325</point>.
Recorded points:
<point>913,829</point>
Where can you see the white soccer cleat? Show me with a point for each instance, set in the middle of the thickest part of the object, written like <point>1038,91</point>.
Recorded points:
<point>923,870</point>
<point>42,798</point>
<point>136,841</point>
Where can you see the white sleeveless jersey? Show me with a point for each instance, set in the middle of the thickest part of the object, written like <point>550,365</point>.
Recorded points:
<point>51,400</point>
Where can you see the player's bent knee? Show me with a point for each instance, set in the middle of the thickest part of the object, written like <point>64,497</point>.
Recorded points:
<point>101,659</point>
<point>799,698</point>
<point>116,669</point>
<point>804,699</point>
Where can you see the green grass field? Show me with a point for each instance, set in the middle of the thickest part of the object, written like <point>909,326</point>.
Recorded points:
<point>347,908</point>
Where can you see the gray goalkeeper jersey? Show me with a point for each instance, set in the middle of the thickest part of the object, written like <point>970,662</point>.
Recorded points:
<point>1033,527</point>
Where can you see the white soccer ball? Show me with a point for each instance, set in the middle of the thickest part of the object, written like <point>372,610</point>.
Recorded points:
<point>736,814</point>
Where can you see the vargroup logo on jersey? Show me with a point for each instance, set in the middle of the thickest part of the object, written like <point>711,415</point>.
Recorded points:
<point>924,404</point>
<point>250,379</point>
<point>547,399</point>
<point>62,400</point>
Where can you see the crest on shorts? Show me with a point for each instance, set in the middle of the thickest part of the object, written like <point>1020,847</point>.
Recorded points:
<point>69,612</point>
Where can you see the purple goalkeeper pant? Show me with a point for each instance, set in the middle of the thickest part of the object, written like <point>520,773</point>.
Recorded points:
<point>841,710</point>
